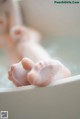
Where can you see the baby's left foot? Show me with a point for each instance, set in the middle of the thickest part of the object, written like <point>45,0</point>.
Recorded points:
<point>18,72</point>
<point>44,72</point>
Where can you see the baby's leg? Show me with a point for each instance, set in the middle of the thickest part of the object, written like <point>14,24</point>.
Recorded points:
<point>18,72</point>
<point>26,44</point>
<point>15,17</point>
<point>13,12</point>
<point>3,23</point>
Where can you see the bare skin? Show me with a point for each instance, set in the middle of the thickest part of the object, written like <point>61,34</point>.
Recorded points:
<point>44,69</point>
<point>17,77</point>
<point>10,48</point>
<point>27,45</point>
<point>39,74</point>
<point>6,42</point>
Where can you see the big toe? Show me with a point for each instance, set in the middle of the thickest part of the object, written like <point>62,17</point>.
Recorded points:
<point>27,63</point>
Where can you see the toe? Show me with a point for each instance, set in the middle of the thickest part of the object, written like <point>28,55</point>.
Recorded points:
<point>38,66</point>
<point>32,77</point>
<point>16,83</point>
<point>12,68</point>
<point>27,63</point>
<point>41,63</point>
<point>36,79</point>
<point>9,73</point>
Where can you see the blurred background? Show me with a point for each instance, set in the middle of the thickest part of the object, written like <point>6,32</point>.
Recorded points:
<point>52,19</point>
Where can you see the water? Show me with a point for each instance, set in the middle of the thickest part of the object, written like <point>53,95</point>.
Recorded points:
<point>4,67</point>
<point>64,49</point>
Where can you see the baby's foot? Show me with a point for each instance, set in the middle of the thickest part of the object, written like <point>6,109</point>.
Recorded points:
<point>10,77</point>
<point>43,73</point>
<point>18,72</point>
<point>21,33</point>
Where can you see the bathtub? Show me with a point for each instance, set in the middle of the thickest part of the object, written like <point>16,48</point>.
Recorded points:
<point>60,100</point>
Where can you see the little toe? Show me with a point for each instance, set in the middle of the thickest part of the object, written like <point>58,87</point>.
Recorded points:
<point>37,67</point>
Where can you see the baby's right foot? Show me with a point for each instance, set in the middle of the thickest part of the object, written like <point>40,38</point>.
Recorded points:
<point>18,72</point>
<point>45,72</point>
<point>21,33</point>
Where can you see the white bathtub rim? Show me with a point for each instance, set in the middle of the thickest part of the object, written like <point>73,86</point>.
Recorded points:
<point>31,87</point>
